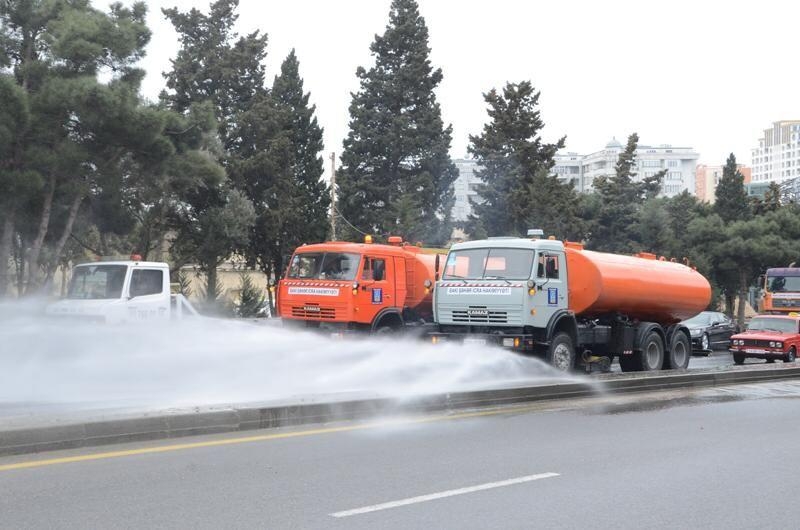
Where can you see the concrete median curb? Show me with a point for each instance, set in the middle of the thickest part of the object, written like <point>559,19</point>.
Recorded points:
<point>156,426</point>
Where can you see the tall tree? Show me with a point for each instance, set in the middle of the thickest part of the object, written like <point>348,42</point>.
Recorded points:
<point>515,169</point>
<point>396,174</point>
<point>731,202</point>
<point>80,128</point>
<point>215,64</point>
<point>622,199</point>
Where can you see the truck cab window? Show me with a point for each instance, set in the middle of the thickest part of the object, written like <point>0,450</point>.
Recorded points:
<point>144,282</point>
<point>548,267</point>
<point>374,269</point>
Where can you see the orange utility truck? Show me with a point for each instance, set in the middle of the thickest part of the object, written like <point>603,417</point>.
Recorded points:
<point>343,287</point>
<point>781,292</point>
<point>569,304</point>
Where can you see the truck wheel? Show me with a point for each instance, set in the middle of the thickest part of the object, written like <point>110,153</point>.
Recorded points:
<point>561,353</point>
<point>738,359</point>
<point>652,355</point>
<point>791,356</point>
<point>679,352</point>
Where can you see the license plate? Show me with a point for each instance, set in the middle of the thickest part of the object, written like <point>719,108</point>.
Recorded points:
<point>475,341</point>
<point>753,350</point>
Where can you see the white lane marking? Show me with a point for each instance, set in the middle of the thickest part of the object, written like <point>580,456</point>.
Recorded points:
<point>443,494</point>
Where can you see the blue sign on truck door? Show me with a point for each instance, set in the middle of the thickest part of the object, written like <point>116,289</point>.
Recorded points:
<point>552,296</point>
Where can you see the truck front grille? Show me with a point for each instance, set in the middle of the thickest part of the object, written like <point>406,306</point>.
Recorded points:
<point>786,302</point>
<point>479,315</point>
<point>313,311</point>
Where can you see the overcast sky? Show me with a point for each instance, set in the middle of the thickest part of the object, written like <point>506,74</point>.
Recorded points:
<point>702,74</point>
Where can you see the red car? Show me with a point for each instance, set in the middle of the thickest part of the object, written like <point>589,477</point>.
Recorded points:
<point>768,337</point>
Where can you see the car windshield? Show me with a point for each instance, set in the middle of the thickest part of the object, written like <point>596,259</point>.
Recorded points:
<point>97,282</point>
<point>489,264</point>
<point>324,266</point>
<point>703,319</point>
<point>783,284</point>
<point>783,325</point>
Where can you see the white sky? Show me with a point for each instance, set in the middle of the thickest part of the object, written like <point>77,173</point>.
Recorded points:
<point>705,74</point>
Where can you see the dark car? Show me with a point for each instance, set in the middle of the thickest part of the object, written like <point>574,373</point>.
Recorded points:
<point>710,330</point>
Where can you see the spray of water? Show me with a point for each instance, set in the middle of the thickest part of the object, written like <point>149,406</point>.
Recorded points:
<point>203,362</point>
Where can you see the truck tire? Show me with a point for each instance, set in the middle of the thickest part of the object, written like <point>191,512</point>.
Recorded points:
<point>680,351</point>
<point>649,359</point>
<point>561,352</point>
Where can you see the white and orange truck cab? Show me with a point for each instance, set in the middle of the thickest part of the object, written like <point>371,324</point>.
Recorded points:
<point>344,286</point>
<point>781,291</point>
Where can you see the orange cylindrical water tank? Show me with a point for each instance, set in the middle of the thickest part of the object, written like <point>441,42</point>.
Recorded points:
<point>420,266</point>
<point>640,287</point>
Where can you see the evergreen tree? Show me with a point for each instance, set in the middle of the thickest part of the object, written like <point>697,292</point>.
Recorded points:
<point>251,298</point>
<point>517,191</point>
<point>215,64</point>
<point>622,198</point>
<point>396,175</point>
<point>770,202</point>
<point>731,202</point>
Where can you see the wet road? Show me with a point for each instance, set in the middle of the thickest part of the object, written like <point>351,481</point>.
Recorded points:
<point>715,458</point>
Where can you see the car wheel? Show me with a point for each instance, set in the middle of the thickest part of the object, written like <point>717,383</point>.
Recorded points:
<point>705,344</point>
<point>738,359</point>
<point>791,356</point>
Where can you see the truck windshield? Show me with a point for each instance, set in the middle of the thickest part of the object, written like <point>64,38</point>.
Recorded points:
<point>489,264</point>
<point>324,266</point>
<point>782,325</point>
<point>97,282</point>
<point>783,284</point>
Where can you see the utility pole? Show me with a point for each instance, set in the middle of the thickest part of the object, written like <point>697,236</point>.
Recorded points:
<point>333,196</point>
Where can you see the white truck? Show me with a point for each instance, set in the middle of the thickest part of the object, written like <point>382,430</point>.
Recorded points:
<point>121,291</point>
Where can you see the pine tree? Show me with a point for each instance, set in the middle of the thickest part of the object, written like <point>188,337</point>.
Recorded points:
<point>515,166</point>
<point>251,298</point>
<point>622,198</point>
<point>732,203</point>
<point>396,175</point>
<point>313,194</point>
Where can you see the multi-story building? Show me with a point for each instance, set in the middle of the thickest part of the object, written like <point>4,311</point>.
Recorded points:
<point>679,162</point>
<point>777,157</point>
<point>465,188</point>
<point>582,170</point>
<point>707,179</point>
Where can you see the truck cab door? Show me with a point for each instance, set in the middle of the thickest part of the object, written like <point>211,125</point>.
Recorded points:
<point>550,277</point>
<point>148,295</point>
<point>377,285</point>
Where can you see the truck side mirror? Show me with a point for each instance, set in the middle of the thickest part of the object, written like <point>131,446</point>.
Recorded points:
<point>436,268</point>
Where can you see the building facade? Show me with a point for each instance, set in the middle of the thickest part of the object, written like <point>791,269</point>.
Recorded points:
<point>707,178</point>
<point>582,170</point>
<point>777,157</point>
<point>680,163</point>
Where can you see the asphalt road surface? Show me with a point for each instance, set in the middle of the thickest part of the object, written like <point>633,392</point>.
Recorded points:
<point>717,458</point>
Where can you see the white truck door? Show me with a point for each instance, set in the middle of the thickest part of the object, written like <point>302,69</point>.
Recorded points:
<point>148,295</point>
<point>551,285</point>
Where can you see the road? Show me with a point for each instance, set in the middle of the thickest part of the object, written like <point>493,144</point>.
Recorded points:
<point>715,458</point>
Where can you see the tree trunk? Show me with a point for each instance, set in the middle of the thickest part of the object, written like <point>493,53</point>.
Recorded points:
<point>62,241</point>
<point>38,242</point>
<point>211,285</point>
<point>729,302</point>
<point>743,285</point>
<point>6,239</point>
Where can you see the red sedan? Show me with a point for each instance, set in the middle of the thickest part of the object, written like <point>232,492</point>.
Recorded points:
<point>768,337</point>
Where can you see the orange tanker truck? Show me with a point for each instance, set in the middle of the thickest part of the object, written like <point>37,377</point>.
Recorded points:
<point>342,287</point>
<point>568,304</point>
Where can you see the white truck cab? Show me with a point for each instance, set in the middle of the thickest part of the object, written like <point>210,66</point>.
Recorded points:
<point>120,291</point>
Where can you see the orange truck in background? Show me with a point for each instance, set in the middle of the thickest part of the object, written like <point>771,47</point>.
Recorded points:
<point>781,291</point>
<point>344,287</point>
